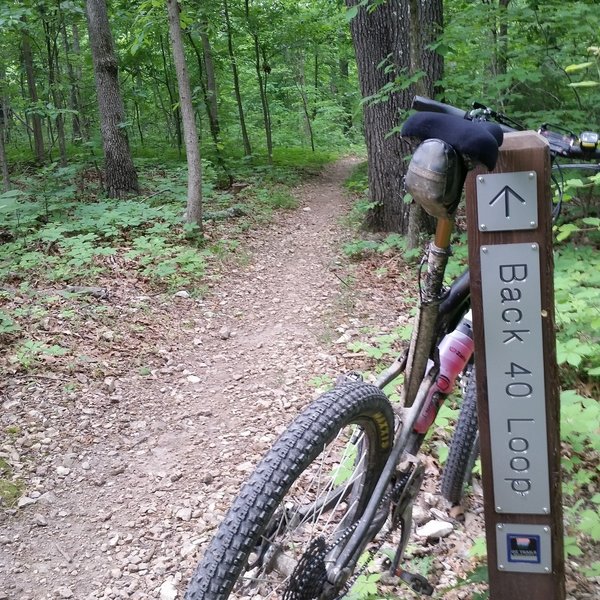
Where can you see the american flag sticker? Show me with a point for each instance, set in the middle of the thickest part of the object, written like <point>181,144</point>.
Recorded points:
<point>523,548</point>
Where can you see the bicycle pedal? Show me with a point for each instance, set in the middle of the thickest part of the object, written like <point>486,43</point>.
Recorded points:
<point>350,377</point>
<point>417,583</point>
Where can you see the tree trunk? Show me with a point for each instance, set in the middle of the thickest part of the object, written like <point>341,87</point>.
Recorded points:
<point>344,73</point>
<point>211,83</point>
<point>501,49</point>
<point>3,158</point>
<point>73,98</point>
<point>84,119</point>
<point>194,200</point>
<point>426,24</point>
<point>177,111</point>
<point>236,83</point>
<point>120,174</point>
<point>380,41</point>
<point>213,122</point>
<point>262,86</point>
<point>54,85</point>
<point>36,119</point>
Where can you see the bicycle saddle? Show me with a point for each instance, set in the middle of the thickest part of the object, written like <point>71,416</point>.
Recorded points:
<point>477,141</point>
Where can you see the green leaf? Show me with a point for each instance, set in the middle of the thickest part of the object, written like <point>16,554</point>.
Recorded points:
<point>584,84</point>
<point>351,13</point>
<point>594,221</point>
<point>578,67</point>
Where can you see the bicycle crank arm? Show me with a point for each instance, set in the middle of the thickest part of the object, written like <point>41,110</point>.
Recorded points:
<point>403,511</point>
<point>417,582</point>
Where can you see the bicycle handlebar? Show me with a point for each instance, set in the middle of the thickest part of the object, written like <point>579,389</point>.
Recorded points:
<point>565,143</point>
<point>423,104</point>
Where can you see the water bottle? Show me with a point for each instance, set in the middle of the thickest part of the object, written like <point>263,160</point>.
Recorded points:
<point>455,351</point>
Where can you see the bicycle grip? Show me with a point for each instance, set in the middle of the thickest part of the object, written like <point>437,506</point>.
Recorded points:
<point>423,104</point>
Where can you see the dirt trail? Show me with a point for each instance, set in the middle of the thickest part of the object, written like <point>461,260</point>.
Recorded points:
<point>127,479</point>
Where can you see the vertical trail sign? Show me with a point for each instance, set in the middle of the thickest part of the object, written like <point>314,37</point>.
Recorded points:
<point>512,295</point>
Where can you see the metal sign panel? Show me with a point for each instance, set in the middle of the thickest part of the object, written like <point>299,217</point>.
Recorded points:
<point>512,319</point>
<point>507,201</point>
<point>524,548</point>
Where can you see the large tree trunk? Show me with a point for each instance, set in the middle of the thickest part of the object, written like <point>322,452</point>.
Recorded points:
<point>194,200</point>
<point>120,174</point>
<point>426,24</point>
<point>36,119</point>
<point>236,82</point>
<point>382,52</point>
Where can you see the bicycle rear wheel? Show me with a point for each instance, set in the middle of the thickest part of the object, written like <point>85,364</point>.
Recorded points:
<point>464,447</point>
<point>304,496</point>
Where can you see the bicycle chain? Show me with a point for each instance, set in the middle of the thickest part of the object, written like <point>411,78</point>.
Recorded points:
<point>373,551</point>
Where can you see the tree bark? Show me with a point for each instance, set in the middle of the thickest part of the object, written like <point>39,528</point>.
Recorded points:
<point>211,82</point>
<point>502,44</point>
<point>236,82</point>
<point>194,200</point>
<point>262,85</point>
<point>36,119</point>
<point>213,122</point>
<point>344,74</point>
<point>426,24</point>
<point>54,85</point>
<point>73,98</point>
<point>3,158</point>
<point>120,174</point>
<point>177,111</point>
<point>381,38</point>
<point>83,116</point>
<point>3,130</point>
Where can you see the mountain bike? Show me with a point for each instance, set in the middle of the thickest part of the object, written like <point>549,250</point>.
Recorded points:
<point>563,144</point>
<point>340,482</point>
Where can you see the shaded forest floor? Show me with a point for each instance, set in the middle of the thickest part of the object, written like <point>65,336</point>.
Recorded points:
<point>125,466</point>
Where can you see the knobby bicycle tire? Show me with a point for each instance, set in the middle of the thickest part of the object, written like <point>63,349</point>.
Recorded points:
<point>248,540</point>
<point>464,446</point>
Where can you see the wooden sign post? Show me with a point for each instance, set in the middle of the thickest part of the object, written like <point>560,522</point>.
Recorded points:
<point>512,295</point>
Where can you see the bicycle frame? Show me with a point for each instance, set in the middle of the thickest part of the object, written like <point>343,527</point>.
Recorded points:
<point>437,307</point>
<point>440,309</point>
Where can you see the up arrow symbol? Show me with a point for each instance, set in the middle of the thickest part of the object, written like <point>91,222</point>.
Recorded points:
<point>506,193</point>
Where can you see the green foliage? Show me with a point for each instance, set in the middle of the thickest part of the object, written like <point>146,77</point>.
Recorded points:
<point>277,199</point>
<point>60,233</point>
<point>30,352</point>
<point>7,324</point>
<point>393,242</point>
<point>382,346</point>
<point>577,287</point>
<point>579,429</point>
<point>11,489</point>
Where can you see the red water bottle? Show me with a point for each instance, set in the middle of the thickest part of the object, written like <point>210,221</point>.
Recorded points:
<point>455,351</point>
